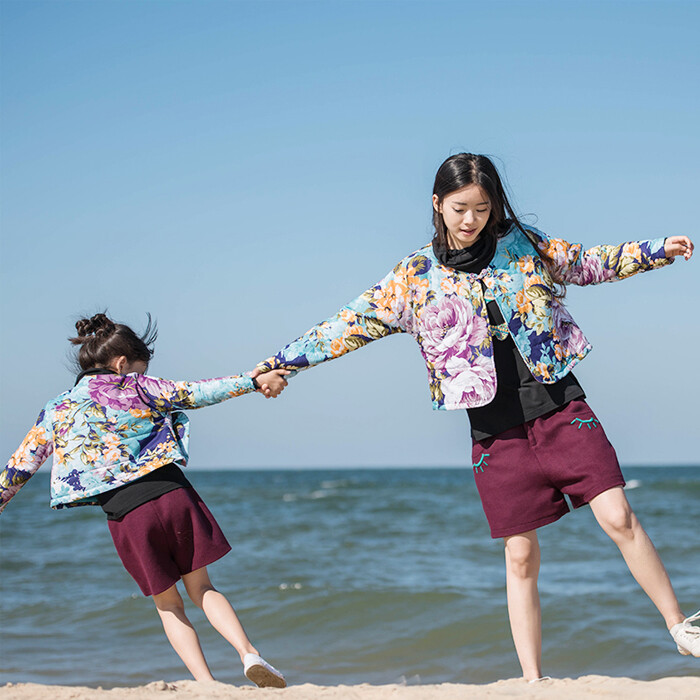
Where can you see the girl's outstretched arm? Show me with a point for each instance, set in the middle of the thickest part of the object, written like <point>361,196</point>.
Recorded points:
<point>29,456</point>
<point>166,395</point>
<point>603,263</point>
<point>381,311</point>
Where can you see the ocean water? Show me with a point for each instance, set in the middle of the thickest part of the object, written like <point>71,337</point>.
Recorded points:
<point>347,576</point>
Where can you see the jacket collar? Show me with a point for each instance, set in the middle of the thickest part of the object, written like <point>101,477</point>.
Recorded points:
<point>94,370</point>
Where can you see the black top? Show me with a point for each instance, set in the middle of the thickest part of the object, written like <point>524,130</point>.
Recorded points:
<point>519,396</point>
<point>122,500</point>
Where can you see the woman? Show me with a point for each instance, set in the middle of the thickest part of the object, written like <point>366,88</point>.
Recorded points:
<point>484,302</point>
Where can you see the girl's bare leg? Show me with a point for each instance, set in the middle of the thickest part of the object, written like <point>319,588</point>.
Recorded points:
<point>614,514</point>
<point>218,610</point>
<point>522,570</point>
<point>181,634</point>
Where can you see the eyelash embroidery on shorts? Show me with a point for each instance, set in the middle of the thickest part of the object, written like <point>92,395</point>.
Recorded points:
<point>591,423</point>
<point>478,466</point>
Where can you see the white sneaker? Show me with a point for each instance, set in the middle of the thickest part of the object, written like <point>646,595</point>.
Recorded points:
<point>261,673</point>
<point>687,636</point>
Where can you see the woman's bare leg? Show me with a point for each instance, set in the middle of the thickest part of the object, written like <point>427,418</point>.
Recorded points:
<point>522,570</point>
<point>614,514</point>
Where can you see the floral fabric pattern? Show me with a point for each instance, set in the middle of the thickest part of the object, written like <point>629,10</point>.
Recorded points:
<point>111,429</point>
<point>445,311</point>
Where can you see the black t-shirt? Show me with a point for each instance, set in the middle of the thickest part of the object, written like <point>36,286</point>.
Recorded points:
<point>122,500</point>
<point>519,396</point>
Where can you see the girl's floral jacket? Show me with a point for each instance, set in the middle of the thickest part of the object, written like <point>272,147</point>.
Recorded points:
<point>111,429</point>
<point>445,311</point>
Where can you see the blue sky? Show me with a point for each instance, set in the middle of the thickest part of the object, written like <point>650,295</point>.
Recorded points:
<point>243,169</point>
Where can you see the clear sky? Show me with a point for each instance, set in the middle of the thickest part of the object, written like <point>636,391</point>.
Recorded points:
<point>243,169</point>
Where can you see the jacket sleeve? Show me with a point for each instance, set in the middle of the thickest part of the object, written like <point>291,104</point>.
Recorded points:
<point>165,395</point>
<point>381,311</point>
<point>29,456</point>
<point>602,263</point>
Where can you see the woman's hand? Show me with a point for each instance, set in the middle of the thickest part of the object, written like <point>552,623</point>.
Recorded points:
<point>678,245</point>
<point>271,383</point>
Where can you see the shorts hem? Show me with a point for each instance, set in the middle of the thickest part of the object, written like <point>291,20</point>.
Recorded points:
<point>195,567</point>
<point>590,495</point>
<point>526,527</point>
<point>206,561</point>
<point>152,593</point>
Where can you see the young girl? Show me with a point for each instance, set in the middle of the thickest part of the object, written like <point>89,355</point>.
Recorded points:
<point>484,302</point>
<point>119,439</point>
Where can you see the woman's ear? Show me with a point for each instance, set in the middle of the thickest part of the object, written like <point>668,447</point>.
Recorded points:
<point>436,203</point>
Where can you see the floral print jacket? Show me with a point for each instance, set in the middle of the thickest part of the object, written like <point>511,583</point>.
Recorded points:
<point>111,429</point>
<point>445,311</point>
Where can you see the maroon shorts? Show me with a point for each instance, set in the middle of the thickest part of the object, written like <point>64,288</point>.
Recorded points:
<point>170,536</point>
<point>523,473</point>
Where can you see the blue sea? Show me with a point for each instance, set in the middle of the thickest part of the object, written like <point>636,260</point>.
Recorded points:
<point>345,577</point>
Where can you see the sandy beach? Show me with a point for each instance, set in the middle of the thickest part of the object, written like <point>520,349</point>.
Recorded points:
<point>679,688</point>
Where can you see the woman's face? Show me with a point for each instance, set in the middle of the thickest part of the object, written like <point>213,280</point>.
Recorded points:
<point>465,213</point>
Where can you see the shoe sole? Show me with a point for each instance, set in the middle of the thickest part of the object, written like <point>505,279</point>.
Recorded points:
<point>264,678</point>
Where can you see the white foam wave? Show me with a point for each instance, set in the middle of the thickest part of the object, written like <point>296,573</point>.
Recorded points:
<point>322,493</point>
<point>286,586</point>
<point>334,484</point>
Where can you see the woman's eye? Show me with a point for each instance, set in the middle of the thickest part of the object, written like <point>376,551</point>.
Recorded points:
<point>458,211</point>
<point>481,211</point>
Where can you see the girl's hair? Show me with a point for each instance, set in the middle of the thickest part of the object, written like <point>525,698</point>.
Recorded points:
<point>101,340</point>
<point>465,169</point>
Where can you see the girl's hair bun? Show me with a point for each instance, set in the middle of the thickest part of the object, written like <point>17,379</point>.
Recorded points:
<point>99,325</point>
<point>101,340</point>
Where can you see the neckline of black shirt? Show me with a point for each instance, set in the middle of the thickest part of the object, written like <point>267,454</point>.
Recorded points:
<point>519,396</point>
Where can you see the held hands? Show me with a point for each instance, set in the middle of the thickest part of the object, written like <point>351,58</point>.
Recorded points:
<point>678,245</point>
<point>271,383</point>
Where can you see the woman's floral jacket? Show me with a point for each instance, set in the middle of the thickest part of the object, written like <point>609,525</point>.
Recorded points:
<point>445,311</point>
<point>111,429</point>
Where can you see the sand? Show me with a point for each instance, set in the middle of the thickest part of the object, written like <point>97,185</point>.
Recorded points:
<point>680,688</point>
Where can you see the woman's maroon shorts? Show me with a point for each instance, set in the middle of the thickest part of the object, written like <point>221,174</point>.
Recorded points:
<point>170,536</point>
<point>523,473</point>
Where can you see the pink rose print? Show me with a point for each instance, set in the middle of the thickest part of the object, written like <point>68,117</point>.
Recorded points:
<point>451,329</point>
<point>474,383</point>
<point>590,271</point>
<point>114,392</point>
<point>570,336</point>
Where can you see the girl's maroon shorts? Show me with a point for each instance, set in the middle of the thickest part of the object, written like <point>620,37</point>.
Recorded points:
<point>523,473</point>
<point>170,536</point>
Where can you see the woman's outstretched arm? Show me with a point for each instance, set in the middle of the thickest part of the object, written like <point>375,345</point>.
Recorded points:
<point>381,311</point>
<point>605,263</point>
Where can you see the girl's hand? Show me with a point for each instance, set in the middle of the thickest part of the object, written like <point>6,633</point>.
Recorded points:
<point>678,245</point>
<point>271,383</point>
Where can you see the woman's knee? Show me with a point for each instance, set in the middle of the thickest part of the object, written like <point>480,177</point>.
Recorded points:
<point>616,517</point>
<point>522,556</point>
<point>620,523</point>
<point>614,514</point>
